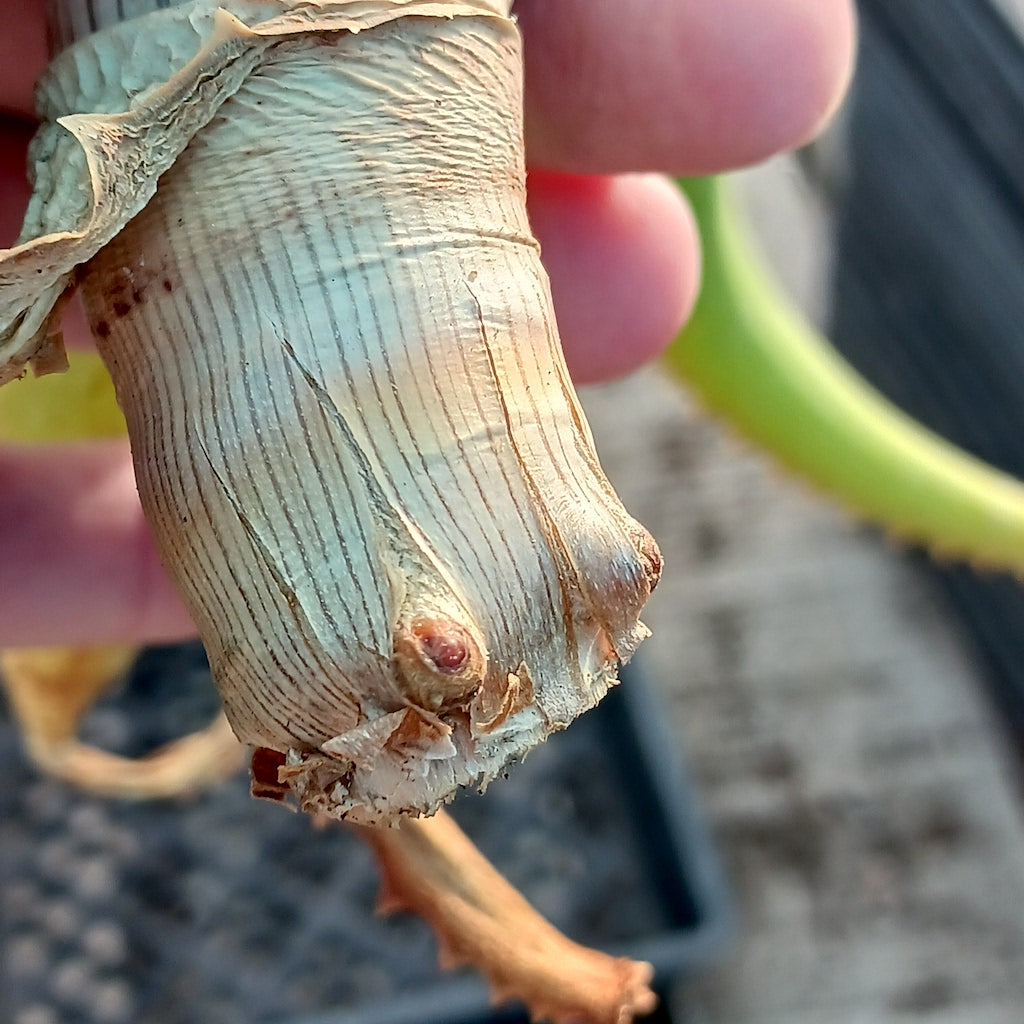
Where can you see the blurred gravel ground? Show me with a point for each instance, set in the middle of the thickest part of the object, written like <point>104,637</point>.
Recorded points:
<point>223,909</point>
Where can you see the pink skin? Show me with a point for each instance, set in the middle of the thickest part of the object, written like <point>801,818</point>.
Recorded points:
<point>681,88</point>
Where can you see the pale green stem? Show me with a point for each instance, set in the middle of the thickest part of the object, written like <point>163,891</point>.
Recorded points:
<point>754,359</point>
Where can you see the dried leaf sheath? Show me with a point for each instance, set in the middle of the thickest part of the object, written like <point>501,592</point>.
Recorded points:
<point>354,434</point>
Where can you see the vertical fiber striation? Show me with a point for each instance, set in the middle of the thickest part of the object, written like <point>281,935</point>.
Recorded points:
<point>354,434</point>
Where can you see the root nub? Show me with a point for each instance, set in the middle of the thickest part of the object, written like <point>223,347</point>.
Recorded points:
<point>438,663</point>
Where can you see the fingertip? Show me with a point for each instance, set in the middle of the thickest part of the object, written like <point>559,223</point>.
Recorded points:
<point>623,257</point>
<point>798,74</point>
<point>687,88</point>
<point>14,188</point>
<point>79,564</point>
<point>23,56</point>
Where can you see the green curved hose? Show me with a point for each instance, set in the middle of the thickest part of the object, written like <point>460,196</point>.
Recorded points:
<point>754,360</point>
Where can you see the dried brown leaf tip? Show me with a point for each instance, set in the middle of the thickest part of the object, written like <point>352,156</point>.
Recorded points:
<point>432,869</point>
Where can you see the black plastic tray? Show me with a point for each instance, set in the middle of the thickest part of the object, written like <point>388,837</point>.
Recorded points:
<point>227,910</point>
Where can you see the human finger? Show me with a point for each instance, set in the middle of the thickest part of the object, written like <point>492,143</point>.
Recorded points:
<point>623,258</point>
<point>77,564</point>
<point>631,84</point>
<point>22,56</point>
<point>685,88</point>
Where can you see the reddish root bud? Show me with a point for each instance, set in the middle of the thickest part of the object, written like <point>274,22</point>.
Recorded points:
<point>438,663</point>
<point>443,644</point>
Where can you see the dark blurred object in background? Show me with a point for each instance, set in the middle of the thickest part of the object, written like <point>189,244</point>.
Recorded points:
<point>929,275</point>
